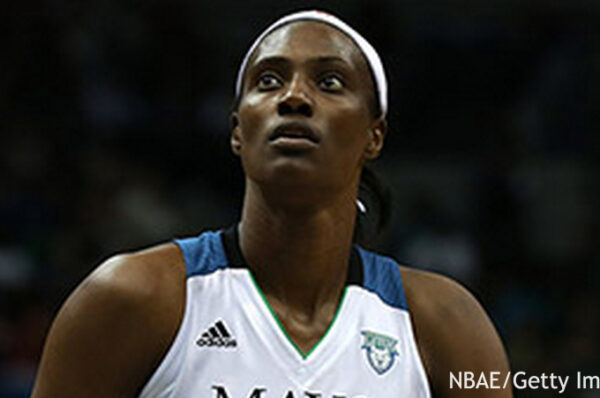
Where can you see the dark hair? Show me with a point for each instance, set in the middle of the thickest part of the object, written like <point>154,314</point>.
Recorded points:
<point>375,195</point>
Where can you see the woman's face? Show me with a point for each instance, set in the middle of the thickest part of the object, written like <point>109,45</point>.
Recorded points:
<point>305,118</point>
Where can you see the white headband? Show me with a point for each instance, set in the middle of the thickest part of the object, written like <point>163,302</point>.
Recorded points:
<point>367,49</point>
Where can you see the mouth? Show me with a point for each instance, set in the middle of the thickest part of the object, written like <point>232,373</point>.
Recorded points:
<point>294,132</point>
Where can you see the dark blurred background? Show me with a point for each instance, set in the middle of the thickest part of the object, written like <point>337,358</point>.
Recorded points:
<point>114,136</point>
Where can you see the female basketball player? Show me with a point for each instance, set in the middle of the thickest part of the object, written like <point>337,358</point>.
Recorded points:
<point>283,304</point>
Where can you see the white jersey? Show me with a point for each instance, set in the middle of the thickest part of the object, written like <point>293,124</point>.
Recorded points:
<point>231,344</point>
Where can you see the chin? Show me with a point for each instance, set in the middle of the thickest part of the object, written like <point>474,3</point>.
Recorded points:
<point>292,173</point>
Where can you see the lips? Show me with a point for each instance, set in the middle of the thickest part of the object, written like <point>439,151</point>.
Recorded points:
<point>295,130</point>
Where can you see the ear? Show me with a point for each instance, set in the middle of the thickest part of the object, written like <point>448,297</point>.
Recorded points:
<point>236,138</point>
<point>376,138</point>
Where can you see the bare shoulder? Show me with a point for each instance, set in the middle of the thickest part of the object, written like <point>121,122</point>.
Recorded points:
<point>435,298</point>
<point>115,327</point>
<point>149,283</point>
<point>453,332</point>
<point>149,274</point>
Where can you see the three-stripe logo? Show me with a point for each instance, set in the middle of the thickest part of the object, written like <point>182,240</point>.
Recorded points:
<point>217,335</point>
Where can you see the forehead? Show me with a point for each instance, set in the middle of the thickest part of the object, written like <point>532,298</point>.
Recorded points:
<point>310,39</point>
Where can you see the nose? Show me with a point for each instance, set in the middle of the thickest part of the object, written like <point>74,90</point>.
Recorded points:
<point>295,100</point>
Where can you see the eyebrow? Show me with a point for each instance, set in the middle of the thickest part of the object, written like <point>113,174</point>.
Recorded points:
<point>283,61</point>
<point>276,60</point>
<point>327,59</point>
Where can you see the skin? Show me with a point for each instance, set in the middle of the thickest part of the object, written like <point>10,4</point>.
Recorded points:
<point>299,210</point>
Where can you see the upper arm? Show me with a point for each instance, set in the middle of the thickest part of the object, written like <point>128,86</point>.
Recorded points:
<point>114,329</point>
<point>454,334</point>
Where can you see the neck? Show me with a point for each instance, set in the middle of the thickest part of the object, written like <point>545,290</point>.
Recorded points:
<point>298,254</point>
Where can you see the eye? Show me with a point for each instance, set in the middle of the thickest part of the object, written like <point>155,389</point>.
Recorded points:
<point>332,83</point>
<point>268,81</point>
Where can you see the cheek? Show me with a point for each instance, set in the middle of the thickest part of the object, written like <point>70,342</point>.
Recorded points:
<point>349,127</point>
<point>348,143</point>
<point>252,119</point>
<point>253,123</point>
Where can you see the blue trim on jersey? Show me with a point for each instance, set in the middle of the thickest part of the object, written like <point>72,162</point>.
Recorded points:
<point>382,277</point>
<point>203,254</point>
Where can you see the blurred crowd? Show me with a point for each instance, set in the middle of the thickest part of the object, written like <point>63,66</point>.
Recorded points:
<point>114,136</point>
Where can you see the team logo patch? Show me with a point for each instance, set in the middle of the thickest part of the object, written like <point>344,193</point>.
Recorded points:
<point>380,350</point>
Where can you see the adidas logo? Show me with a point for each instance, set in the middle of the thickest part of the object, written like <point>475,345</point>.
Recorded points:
<point>217,336</point>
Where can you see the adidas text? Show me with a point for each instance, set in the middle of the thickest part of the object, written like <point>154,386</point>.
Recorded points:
<point>217,335</point>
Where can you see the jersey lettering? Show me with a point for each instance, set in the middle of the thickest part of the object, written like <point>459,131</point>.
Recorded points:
<point>221,392</point>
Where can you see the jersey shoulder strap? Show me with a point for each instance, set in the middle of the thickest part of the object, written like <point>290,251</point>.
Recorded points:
<point>382,277</point>
<point>203,254</point>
